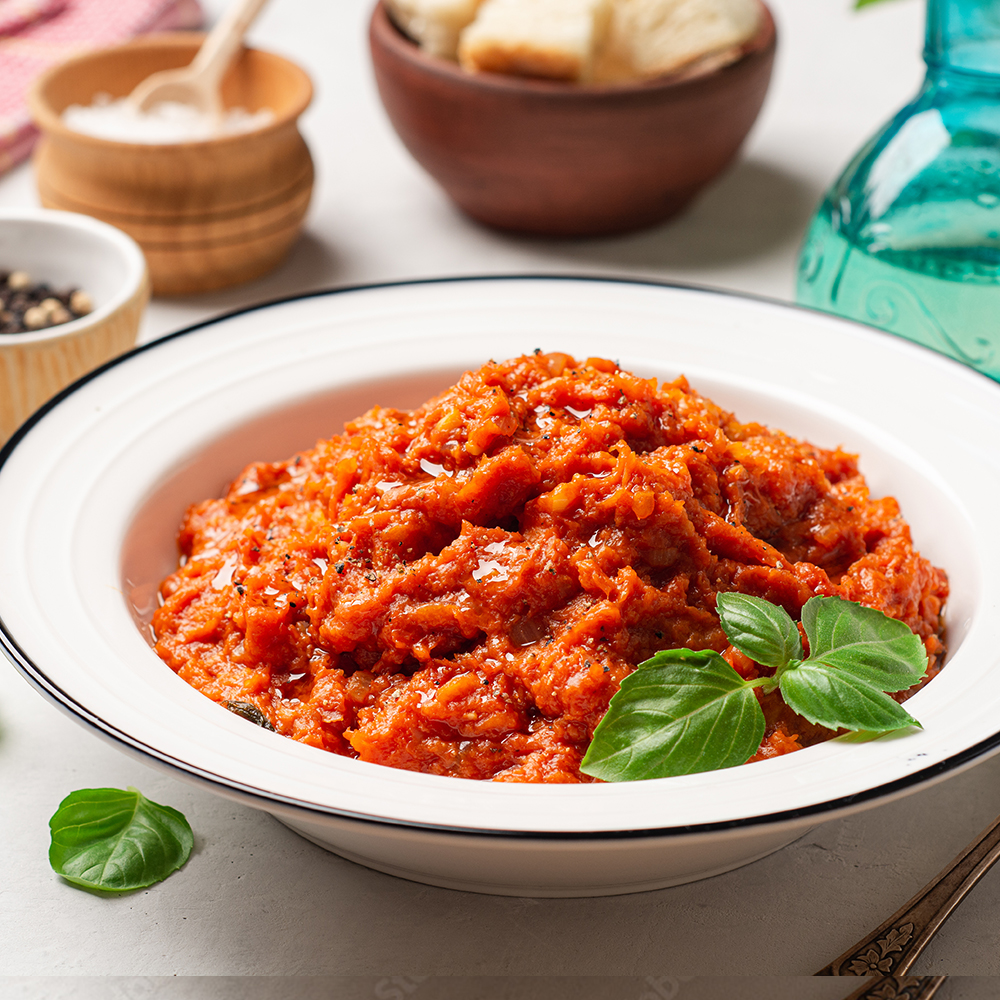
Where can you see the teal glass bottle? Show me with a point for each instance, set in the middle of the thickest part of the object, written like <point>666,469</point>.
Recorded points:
<point>908,238</point>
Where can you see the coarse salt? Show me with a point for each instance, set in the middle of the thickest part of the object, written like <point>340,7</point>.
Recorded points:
<point>166,122</point>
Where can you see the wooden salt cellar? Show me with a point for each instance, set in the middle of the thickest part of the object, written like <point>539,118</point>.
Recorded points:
<point>207,214</point>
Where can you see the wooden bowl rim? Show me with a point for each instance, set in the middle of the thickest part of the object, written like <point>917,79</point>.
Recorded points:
<point>50,121</point>
<point>384,30</point>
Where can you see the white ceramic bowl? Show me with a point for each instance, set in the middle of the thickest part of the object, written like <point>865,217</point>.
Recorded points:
<point>67,250</point>
<point>92,490</point>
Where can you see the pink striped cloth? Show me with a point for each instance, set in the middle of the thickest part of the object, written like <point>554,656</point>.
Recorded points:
<point>16,15</point>
<point>36,34</point>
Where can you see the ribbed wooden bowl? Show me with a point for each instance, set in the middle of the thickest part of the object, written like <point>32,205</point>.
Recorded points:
<point>207,214</point>
<point>67,251</point>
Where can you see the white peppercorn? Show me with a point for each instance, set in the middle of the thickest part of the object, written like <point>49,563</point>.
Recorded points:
<point>35,318</point>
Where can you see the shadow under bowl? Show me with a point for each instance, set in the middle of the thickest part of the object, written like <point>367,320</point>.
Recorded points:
<point>551,158</point>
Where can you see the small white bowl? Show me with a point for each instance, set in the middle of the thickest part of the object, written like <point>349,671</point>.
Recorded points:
<point>93,492</point>
<point>67,250</point>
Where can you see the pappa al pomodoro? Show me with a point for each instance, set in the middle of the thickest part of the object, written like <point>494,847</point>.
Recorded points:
<point>460,589</point>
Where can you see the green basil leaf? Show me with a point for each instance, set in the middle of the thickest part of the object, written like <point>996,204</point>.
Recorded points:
<point>831,697</point>
<point>873,647</point>
<point>763,631</point>
<point>679,712</point>
<point>117,841</point>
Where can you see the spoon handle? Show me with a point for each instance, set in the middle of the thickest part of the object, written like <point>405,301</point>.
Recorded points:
<point>894,945</point>
<point>899,988</point>
<point>224,39</point>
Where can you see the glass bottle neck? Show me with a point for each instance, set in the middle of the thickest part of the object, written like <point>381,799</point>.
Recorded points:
<point>963,36</point>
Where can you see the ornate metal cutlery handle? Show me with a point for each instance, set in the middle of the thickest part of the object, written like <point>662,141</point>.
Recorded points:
<point>899,988</point>
<point>894,945</point>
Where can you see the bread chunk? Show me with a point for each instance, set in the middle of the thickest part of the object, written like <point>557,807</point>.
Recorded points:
<point>650,38</point>
<point>555,39</point>
<point>434,24</point>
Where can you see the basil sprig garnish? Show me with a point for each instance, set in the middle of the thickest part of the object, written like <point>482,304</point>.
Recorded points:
<point>117,841</point>
<point>683,711</point>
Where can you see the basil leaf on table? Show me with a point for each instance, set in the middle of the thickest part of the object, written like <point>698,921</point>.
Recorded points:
<point>117,841</point>
<point>679,712</point>
<point>763,631</point>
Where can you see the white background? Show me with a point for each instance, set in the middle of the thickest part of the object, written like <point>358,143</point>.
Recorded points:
<point>256,900</point>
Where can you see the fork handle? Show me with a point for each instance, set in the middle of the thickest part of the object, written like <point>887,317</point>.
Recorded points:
<point>899,988</point>
<point>895,944</point>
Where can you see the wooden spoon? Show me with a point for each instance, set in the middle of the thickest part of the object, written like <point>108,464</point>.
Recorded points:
<point>198,83</point>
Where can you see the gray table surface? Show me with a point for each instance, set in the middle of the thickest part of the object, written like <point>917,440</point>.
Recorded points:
<point>421,987</point>
<point>255,899</point>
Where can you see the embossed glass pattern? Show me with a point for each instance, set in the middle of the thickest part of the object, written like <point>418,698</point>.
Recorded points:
<point>908,238</point>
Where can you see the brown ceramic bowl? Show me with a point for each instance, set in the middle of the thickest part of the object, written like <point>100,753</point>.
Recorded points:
<point>207,214</point>
<point>563,159</point>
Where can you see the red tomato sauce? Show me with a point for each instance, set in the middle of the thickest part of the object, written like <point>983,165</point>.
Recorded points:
<point>460,589</point>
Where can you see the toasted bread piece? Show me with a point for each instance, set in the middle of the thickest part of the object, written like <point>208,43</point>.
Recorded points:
<point>434,24</point>
<point>650,38</point>
<point>556,39</point>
